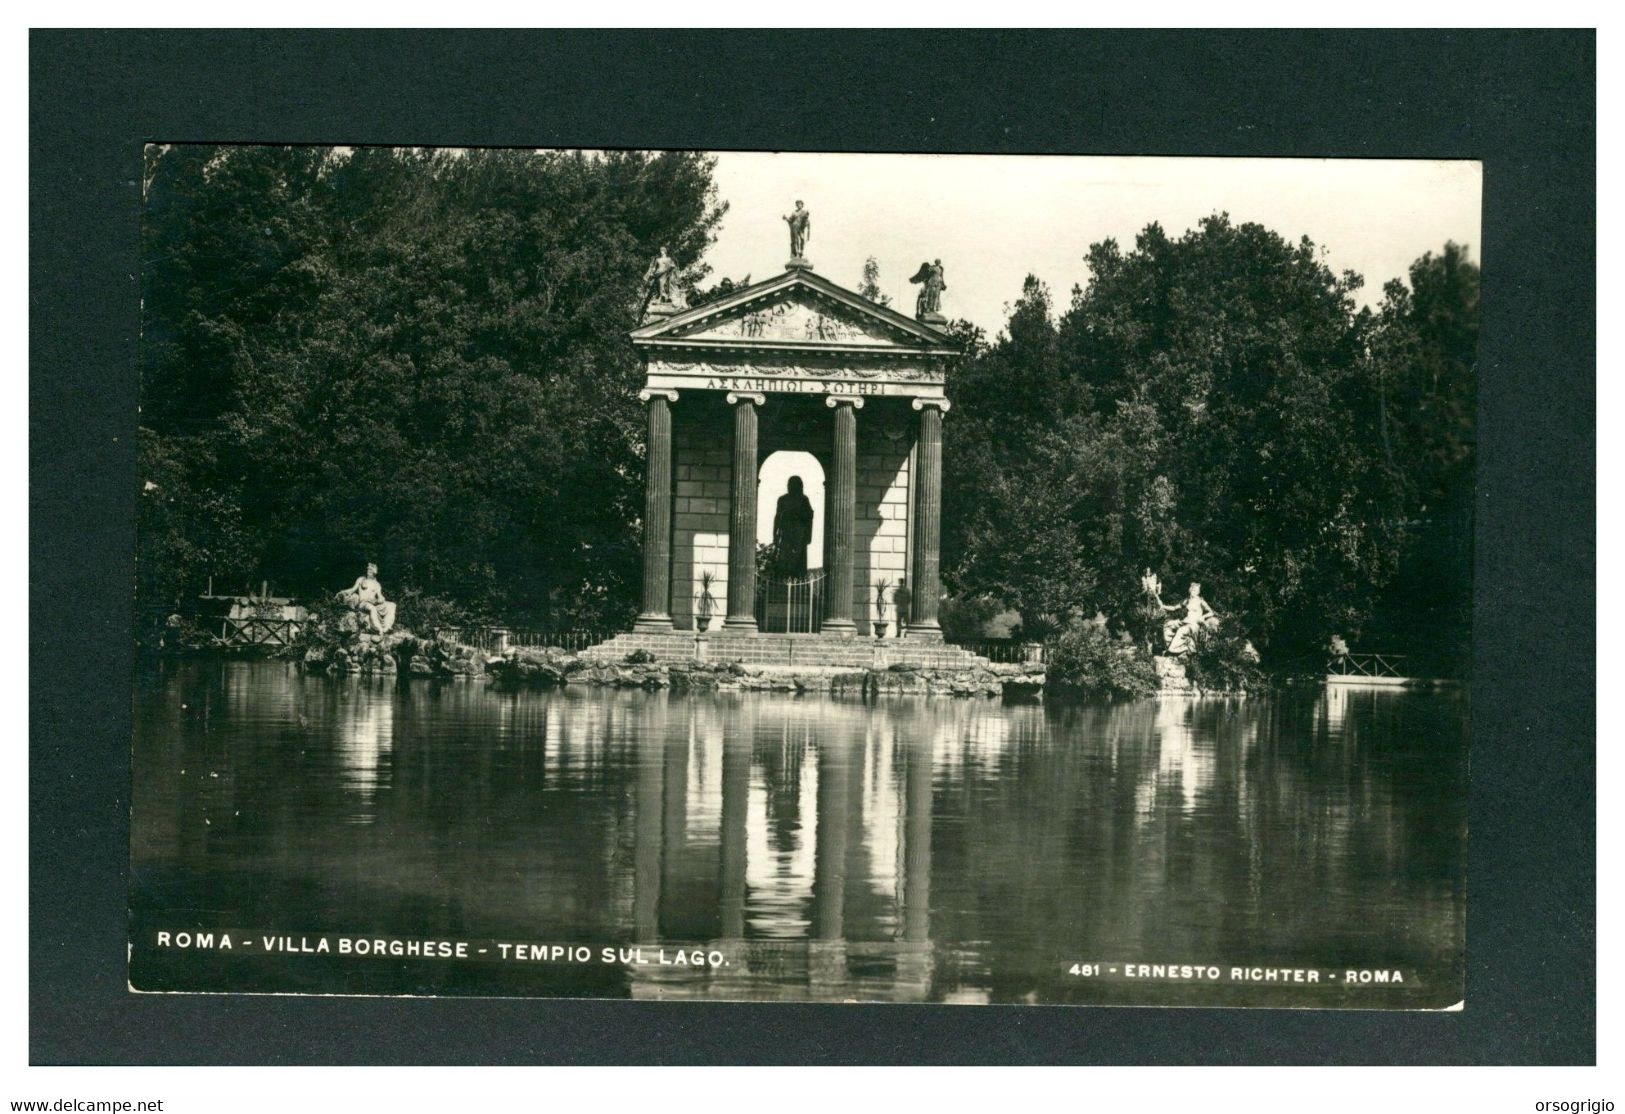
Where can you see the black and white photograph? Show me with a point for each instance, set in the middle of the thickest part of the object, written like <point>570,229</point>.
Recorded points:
<point>818,549</point>
<point>809,577</point>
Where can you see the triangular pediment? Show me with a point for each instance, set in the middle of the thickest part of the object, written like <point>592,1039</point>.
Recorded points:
<point>795,315</point>
<point>799,310</point>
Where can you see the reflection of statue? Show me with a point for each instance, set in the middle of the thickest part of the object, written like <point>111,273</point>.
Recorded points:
<point>1180,634</point>
<point>932,284</point>
<point>366,596</point>
<point>660,279</point>
<point>800,223</point>
<point>792,529</point>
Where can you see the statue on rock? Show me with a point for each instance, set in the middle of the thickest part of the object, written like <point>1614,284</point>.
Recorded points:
<point>792,529</point>
<point>1180,634</point>
<point>800,223</point>
<point>366,598</point>
<point>928,306</point>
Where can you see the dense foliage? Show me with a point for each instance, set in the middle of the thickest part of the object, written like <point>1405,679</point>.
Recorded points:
<point>1424,345</point>
<point>1223,660</point>
<point>412,357</point>
<point>1211,407</point>
<point>1087,660</point>
<point>420,358</point>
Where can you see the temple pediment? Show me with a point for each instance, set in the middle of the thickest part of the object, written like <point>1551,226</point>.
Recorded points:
<point>796,311</point>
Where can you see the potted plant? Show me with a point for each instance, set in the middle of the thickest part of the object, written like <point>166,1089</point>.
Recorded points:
<point>881,588</point>
<point>705,604</point>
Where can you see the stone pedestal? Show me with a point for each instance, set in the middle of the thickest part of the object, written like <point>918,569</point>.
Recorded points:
<point>659,311</point>
<point>798,263</point>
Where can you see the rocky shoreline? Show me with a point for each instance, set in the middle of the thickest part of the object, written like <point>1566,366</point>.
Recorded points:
<point>401,653</point>
<point>397,652</point>
<point>549,668</point>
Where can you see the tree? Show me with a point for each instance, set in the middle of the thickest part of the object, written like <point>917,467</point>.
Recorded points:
<point>416,357</point>
<point>1423,351</point>
<point>870,286</point>
<point>1201,408</point>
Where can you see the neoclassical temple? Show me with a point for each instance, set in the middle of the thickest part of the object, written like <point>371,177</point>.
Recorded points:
<point>795,363</point>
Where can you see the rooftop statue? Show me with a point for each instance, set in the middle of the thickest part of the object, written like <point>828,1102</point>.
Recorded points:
<point>800,223</point>
<point>660,280</point>
<point>928,307</point>
<point>366,598</point>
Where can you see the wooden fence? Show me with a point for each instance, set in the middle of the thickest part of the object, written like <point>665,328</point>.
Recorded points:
<point>1365,665</point>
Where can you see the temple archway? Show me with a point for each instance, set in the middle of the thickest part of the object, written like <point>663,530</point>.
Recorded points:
<point>771,482</point>
<point>790,593</point>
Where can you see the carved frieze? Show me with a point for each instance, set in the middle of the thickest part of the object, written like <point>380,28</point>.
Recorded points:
<point>794,319</point>
<point>910,372</point>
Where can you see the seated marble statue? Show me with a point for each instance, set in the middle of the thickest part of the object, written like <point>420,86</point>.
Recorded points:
<point>792,529</point>
<point>366,597</point>
<point>1180,634</point>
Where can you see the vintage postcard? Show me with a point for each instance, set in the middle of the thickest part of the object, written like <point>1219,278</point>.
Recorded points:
<point>804,577</point>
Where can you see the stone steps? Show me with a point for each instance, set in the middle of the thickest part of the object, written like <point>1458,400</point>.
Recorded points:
<point>768,651</point>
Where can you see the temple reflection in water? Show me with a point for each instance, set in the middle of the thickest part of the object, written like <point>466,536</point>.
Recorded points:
<point>912,849</point>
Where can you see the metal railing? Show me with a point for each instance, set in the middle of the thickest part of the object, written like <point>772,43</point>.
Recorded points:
<point>1008,651</point>
<point>496,640</point>
<point>790,604</point>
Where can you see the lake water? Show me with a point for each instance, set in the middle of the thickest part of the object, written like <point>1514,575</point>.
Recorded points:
<point>761,846</point>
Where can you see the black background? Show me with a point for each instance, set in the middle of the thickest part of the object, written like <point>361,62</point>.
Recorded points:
<point>1523,102</point>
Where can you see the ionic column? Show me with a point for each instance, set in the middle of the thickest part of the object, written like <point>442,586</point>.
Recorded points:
<point>843,495</point>
<point>927,574</point>
<point>742,518</point>
<point>656,613</point>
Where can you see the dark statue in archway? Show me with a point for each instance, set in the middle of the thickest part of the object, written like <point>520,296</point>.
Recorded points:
<point>792,530</point>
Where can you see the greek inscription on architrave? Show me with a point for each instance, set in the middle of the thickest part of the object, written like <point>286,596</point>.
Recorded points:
<point>757,369</point>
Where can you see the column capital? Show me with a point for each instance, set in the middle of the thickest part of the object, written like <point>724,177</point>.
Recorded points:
<point>752,397</point>
<point>941,404</point>
<point>832,401</point>
<point>657,392</point>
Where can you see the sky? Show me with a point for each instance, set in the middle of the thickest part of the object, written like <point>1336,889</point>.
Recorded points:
<point>994,219</point>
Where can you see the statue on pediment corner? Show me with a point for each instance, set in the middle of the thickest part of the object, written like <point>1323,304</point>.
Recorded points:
<point>660,282</point>
<point>928,306</point>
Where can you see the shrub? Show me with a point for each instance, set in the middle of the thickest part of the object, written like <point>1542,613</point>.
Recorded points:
<point>967,618</point>
<point>1223,660</point>
<point>1088,660</point>
<point>416,610</point>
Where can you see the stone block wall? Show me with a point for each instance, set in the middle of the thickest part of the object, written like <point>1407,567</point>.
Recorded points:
<point>884,443</point>
<point>702,483</point>
<point>702,487</point>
